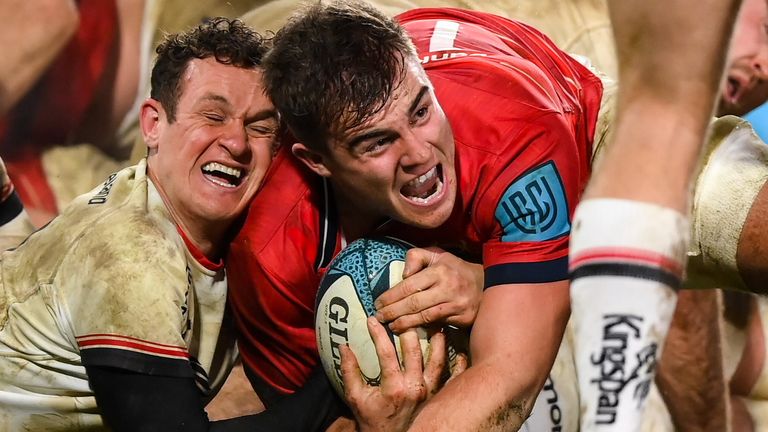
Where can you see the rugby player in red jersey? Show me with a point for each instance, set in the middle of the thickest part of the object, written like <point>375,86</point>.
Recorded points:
<point>475,135</point>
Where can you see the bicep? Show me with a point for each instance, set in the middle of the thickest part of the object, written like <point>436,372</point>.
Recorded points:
<point>752,250</point>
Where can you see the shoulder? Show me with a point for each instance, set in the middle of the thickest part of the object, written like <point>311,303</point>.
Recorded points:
<point>125,267</point>
<point>475,53</point>
<point>417,21</point>
<point>288,199</point>
<point>289,227</point>
<point>127,245</point>
<point>498,88</point>
<point>130,215</point>
<point>732,146</point>
<point>127,233</point>
<point>109,217</point>
<point>724,128</point>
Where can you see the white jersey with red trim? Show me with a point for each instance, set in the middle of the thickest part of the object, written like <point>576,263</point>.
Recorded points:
<point>110,282</point>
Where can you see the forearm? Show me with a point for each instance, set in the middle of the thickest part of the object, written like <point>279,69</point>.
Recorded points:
<point>15,225</point>
<point>486,397</point>
<point>37,30</point>
<point>752,250</point>
<point>695,396</point>
<point>513,345</point>
<point>236,398</point>
<point>131,401</point>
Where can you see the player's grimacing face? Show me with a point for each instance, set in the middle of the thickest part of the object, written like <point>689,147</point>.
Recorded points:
<point>747,64</point>
<point>400,162</point>
<point>210,161</point>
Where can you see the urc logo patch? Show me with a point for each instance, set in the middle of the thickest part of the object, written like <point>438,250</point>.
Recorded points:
<point>534,207</point>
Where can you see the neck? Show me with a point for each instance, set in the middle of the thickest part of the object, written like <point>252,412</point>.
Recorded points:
<point>206,237</point>
<point>201,239</point>
<point>355,223</point>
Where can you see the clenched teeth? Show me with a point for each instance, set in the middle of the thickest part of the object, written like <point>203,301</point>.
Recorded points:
<point>221,183</point>
<point>222,175</point>
<point>215,166</point>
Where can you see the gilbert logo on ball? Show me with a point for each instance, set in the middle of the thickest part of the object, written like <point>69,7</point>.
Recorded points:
<point>355,278</point>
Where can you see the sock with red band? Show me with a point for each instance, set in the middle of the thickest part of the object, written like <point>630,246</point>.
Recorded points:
<point>626,261</point>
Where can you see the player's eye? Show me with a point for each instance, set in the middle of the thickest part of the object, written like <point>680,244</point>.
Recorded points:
<point>420,114</point>
<point>213,117</point>
<point>261,129</point>
<point>376,145</point>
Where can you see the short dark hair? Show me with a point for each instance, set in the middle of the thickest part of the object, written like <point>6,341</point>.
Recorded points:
<point>333,66</point>
<point>229,41</point>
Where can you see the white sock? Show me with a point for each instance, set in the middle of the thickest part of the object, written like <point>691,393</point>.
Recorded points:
<point>627,260</point>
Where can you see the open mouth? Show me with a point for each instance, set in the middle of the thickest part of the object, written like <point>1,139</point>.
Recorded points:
<point>425,188</point>
<point>733,90</point>
<point>223,175</point>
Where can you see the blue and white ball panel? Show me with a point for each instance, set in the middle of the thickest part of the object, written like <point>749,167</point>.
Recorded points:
<point>341,319</point>
<point>365,262</point>
<point>534,207</point>
<point>356,277</point>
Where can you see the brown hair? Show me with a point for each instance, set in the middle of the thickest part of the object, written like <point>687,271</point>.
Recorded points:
<point>229,41</point>
<point>333,66</point>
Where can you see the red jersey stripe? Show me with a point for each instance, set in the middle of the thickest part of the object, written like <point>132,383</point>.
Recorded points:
<point>132,344</point>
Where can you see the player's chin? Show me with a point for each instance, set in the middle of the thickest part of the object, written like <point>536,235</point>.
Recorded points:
<point>425,217</point>
<point>224,210</point>
<point>427,214</point>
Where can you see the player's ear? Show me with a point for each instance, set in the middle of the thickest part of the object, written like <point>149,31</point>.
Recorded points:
<point>311,158</point>
<point>149,119</point>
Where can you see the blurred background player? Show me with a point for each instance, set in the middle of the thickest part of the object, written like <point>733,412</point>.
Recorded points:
<point>631,231</point>
<point>71,88</point>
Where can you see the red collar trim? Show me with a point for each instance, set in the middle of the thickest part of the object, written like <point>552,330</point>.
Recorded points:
<point>198,254</point>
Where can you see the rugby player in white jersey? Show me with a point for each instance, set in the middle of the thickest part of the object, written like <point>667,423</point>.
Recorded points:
<point>113,315</point>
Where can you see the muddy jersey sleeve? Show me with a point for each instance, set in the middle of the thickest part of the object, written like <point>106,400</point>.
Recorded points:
<point>127,295</point>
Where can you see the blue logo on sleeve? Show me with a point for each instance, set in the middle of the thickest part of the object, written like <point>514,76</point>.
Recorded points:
<point>534,207</point>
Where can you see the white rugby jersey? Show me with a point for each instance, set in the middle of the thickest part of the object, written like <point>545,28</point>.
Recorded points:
<point>109,282</point>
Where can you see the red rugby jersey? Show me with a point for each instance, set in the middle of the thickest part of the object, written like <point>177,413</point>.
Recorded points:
<point>523,116</point>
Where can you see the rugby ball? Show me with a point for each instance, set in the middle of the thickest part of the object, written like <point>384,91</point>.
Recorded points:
<point>355,278</point>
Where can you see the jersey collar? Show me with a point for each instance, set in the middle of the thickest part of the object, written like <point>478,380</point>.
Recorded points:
<point>198,255</point>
